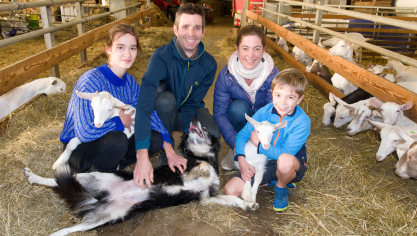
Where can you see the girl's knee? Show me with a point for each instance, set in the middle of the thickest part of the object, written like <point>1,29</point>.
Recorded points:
<point>233,187</point>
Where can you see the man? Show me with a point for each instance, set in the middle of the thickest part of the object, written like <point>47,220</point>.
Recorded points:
<point>177,79</point>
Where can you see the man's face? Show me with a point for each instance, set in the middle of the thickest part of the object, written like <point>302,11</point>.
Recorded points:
<point>189,32</point>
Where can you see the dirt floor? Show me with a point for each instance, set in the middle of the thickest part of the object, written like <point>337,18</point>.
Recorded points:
<point>344,192</point>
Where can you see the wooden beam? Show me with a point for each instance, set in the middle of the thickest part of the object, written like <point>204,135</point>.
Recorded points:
<point>18,73</point>
<point>387,42</point>
<point>328,16</point>
<point>315,80</point>
<point>372,30</point>
<point>381,88</point>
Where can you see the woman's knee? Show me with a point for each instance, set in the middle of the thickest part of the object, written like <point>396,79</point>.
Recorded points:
<point>239,108</point>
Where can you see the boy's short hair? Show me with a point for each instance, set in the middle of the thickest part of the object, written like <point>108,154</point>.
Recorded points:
<point>190,9</point>
<point>292,78</point>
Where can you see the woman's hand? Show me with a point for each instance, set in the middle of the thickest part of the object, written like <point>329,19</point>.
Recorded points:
<point>175,160</point>
<point>247,171</point>
<point>127,120</point>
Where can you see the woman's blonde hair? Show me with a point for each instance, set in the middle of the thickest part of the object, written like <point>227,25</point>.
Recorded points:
<point>122,29</point>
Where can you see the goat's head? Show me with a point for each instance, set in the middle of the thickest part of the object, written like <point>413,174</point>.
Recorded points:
<point>103,104</point>
<point>360,119</point>
<point>389,139</point>
<point>265,130</point>
<point>391,111</point>
<point>343,48</point>
<point>54,85</point>
<point>329,111</point>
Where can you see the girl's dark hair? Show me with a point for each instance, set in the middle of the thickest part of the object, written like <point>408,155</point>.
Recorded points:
<point>251,30</point>
<point>122,29</point>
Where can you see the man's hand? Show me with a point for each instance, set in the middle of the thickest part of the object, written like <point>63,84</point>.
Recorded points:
<point>254,138</point>
<point>143,169</point>
<point>127,120</point>
<point>246,170</point>
<point>175,160</point>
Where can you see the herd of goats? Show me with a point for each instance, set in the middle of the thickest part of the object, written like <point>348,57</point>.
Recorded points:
<point>362,110</point>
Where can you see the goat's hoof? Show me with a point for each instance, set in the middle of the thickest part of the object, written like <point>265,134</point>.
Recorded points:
<point>250,206</point>
<point>28,173</point>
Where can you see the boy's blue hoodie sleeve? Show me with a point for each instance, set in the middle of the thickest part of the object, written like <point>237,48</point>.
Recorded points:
<point>299,131</point>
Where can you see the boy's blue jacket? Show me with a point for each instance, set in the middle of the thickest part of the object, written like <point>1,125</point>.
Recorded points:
<point>291,138</point>
<point>227,90</point>
<point>188,79</point>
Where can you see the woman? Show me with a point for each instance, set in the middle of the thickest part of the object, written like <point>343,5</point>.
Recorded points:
<point>243,86</point>
<point>107,148</point>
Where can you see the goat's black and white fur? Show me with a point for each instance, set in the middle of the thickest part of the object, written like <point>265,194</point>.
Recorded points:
<point>102,198</point>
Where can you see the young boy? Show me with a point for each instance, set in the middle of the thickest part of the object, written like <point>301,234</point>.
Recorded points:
<point>287,157</point>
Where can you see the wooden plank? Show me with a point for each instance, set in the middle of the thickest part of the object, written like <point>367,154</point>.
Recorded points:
<point>315,80</point>
<point>377,54</point>
<point>381,88</point>
<point>18,73</point>
<point>394,31</point>
<point>328,16</point>
<point>387,42</point>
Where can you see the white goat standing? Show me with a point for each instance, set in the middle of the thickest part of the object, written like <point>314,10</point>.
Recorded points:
<point>300,55</point>
<point>344,49</point>
<point>389,138</point>
<point>393,114</point>
<point>356,48</point>
<point>407,73</point>
<point>21,95</point>
<point>265,131</point>
<point>105,107</point>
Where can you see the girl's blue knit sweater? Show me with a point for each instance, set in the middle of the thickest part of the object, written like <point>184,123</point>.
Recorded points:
<point>79,121</point>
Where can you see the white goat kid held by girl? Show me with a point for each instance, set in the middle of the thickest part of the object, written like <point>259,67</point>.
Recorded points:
<point>105,107</point>
<point>265,131</point>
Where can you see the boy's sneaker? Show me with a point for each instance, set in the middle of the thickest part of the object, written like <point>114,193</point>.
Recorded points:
<point>228,163</point>
<point>281,198</point>
<point>291,185</point>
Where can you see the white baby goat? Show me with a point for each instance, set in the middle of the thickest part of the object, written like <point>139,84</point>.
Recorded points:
<point>406,166</point>
<point>105,107</point>
<point>392,113</point>
<point>408,73</point>
<point>21,95</point>
<point>300,55</point>
<point>389,138</point>
<point>265,131</point>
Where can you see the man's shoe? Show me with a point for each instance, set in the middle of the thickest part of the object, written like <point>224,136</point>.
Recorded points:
<point>163,160</point>
<point>228,163</point>
<point>281,198</point>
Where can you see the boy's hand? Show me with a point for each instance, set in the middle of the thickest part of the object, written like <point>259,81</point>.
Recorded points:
<point>254,138</point>
<point>247,171</point>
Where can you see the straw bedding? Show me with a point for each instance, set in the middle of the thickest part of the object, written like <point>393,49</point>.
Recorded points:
<point>344,192</point>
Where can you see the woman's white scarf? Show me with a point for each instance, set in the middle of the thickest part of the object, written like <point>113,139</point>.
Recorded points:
<point>258,74</point>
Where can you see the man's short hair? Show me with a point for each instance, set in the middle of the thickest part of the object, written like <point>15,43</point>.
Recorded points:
<point>190,9</point>
<point>291,77</point>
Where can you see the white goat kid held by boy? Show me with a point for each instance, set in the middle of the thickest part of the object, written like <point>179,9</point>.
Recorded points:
<point>265,131</point>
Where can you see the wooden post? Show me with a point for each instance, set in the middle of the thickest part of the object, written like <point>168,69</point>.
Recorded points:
<point>316,33</point>
<point>49,37</point>
<point>245,8</point>
<point>280,10</point>
<point>381,88</point>
<point>80,28</point>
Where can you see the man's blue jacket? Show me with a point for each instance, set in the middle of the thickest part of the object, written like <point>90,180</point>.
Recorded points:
<point>188,79</point>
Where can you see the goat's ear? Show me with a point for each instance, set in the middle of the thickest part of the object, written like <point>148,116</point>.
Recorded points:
<point>251,121</point>
<point>407,106</point>
<point>340,101</point>
<point>117,103</point>
<point>375,103</point>
<point>281,125</point>
<point>383,75</point>
<point>352,109</point>
<point>370,66</point>
<point>88,96</point>
<point>331,97</point>
<point>350,44</point>
<point>387,68</point>
<point>378,125</point>
<point>54,82</point>
<point>404,135</point>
